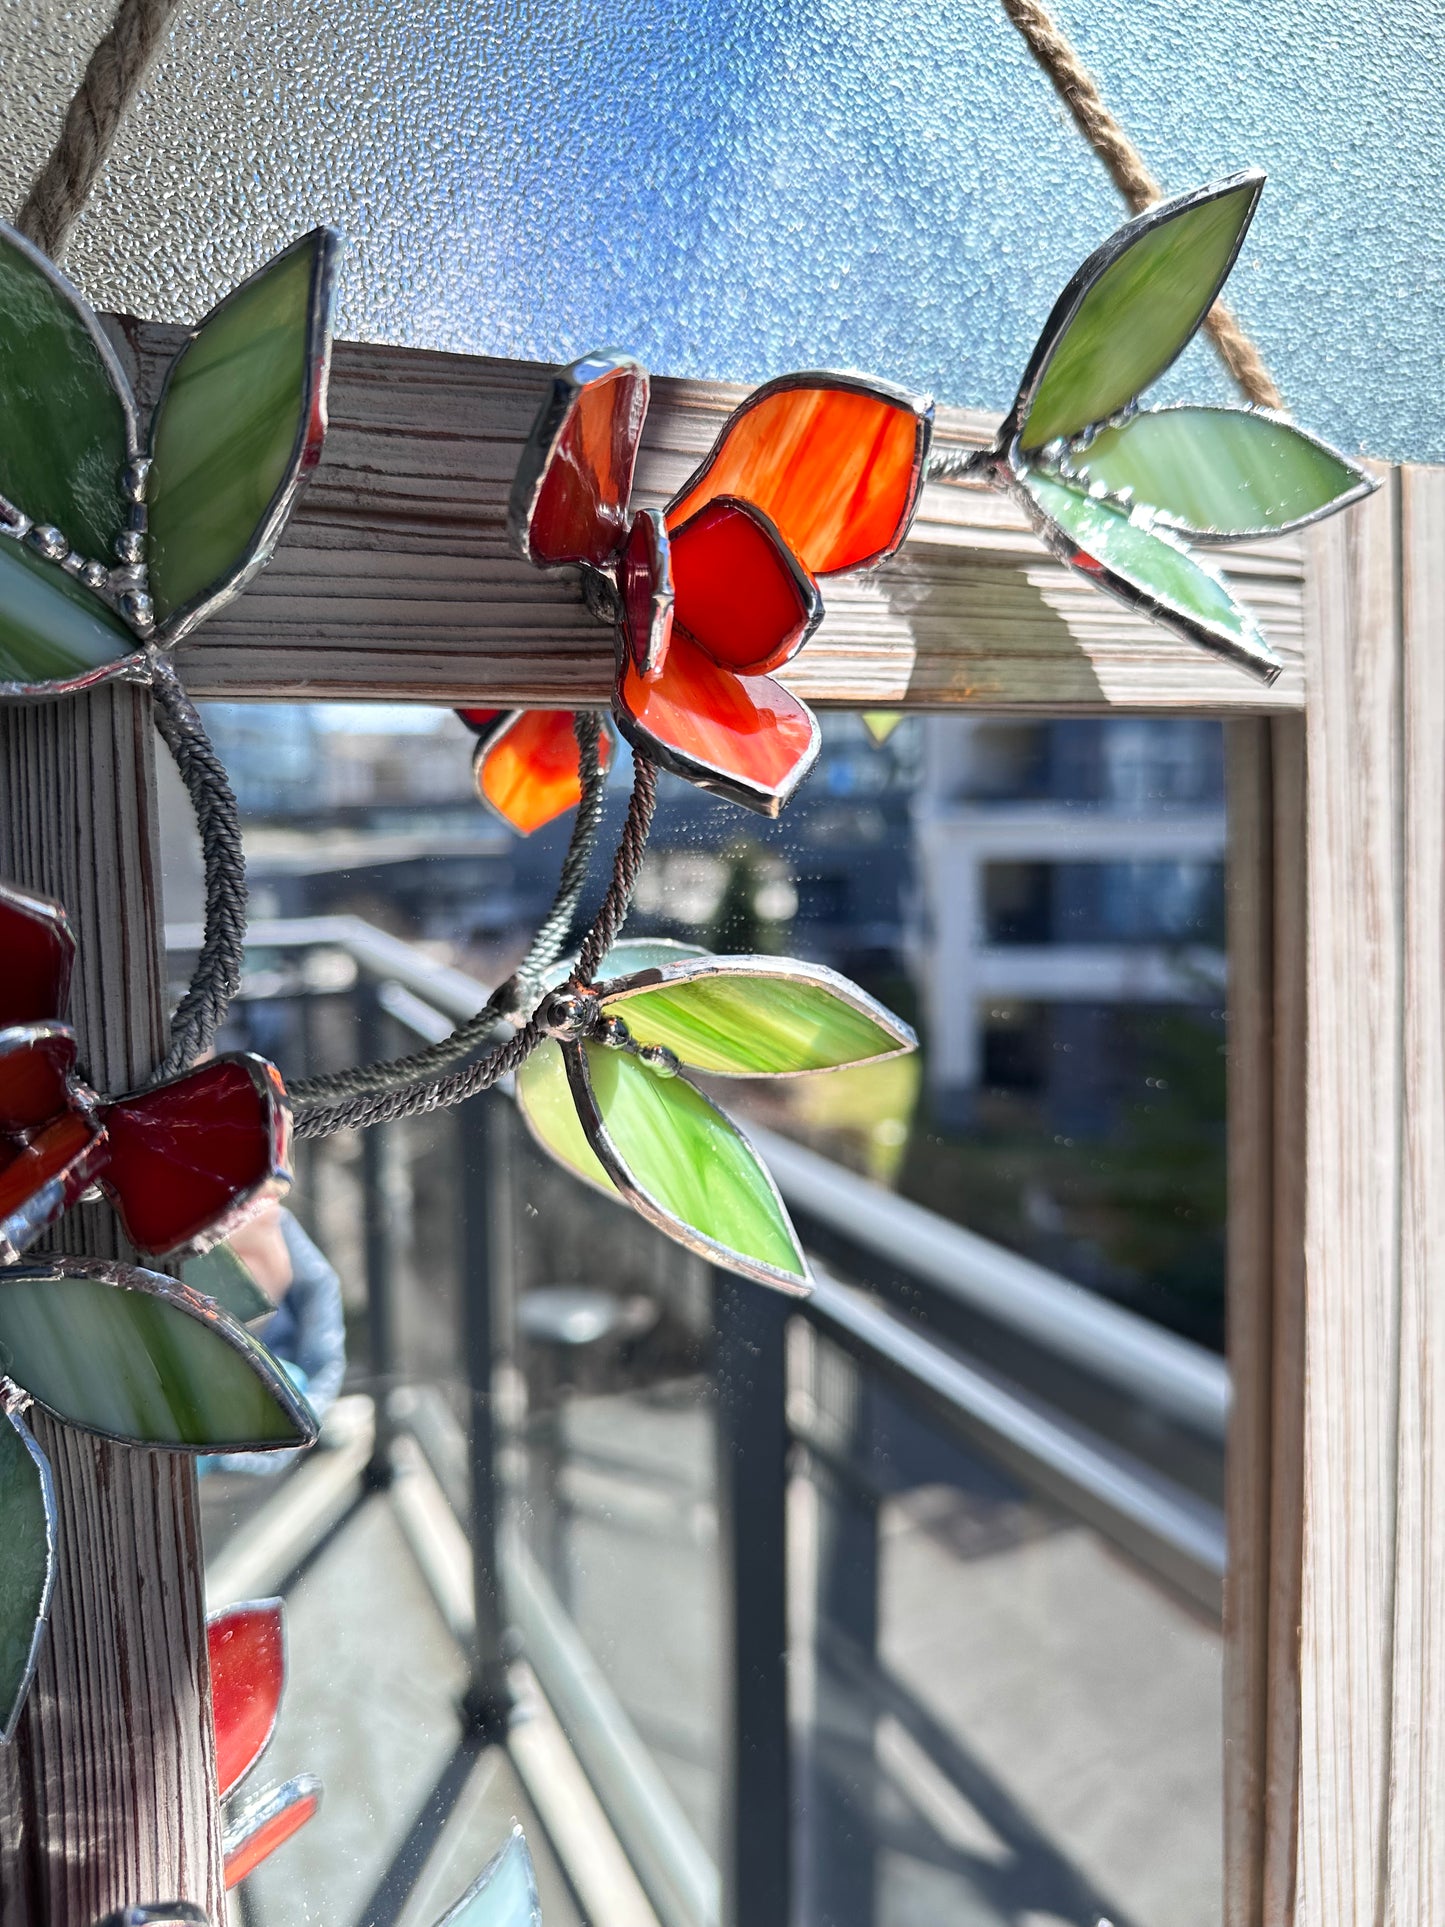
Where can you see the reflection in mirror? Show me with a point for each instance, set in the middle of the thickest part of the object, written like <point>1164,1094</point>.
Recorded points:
<point>894,1605</point>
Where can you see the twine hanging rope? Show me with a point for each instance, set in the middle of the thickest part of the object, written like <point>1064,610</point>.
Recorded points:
<point>110,83</point>
<point>1079,91</point>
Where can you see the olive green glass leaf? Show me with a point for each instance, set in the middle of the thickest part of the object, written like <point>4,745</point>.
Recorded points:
<point>1216,473</point>
<point>27,1567</point>
<point>1131,308</point>
<point>227,1282</point>
<point>136,1356</point>
<point>241,419</point>
<point>504,1894</point>
<point>67,419</point>
<point>755,1016</point>
<point>54,632</point>
<point>1149,570</point>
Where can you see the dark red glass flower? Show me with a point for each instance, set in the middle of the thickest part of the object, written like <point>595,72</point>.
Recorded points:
<point>812,476</point>
<point>184,1162</point>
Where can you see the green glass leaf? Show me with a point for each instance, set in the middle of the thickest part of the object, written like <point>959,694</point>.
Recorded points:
<point>1131,308</point>
<point>67,420</point>
<point>53,633</point>
<point>756,1016</point>
<point>549,1110</point>
<point>135,1356</point>
<point>881,723</point>
<point>242,415</point>
<point>27,1570</point>
<point>227,1282</point>
<point>504,1894</point>
<point>684,1166</point>
<point>632,954</point>
<point>1151,571</point>
<point>1217,473</point>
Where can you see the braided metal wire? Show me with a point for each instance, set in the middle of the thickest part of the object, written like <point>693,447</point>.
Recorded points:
<point>419,1067</point>
<point>418,1098</point>
<point>217,977</point>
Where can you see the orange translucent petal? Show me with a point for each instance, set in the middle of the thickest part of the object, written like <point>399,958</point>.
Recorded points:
<point>580,510</point>
<point>837,469</point>
<point>737,591</point>
<point>248,1675</point>
<point>744,736</point>
<point>273,1832</point>
<point>530,770</point>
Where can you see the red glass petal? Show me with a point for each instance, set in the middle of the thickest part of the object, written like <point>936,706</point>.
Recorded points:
<point>739,594</point>
<point>745,737</point>
<point>267,1824</point>
<point>644,580</point>
<point>36,953</point>
<point>35,1065</point>
<point>248,1677</point>
<point>575,478</point>
<point>188,1159</point>
<point>835,464</point>
<point>530,770</point>
<point>480,720</point>
<point>42,1179</point>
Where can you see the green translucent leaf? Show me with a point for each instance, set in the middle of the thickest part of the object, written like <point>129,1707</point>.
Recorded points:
<point>138,1357</point>
<point>504,1893</point>
<point>757,1017</point>
<point>52,630</point>
<point>1150,571</point>
<point>549,1111</point>
<point>227,1282</point>
<point>1131,308</point>
<point>242,413</point>
<point>64,427</point>
<point>881,723</point>
<point>1221,472</point>
<point>27,1536</point>
<point>678,1161</point>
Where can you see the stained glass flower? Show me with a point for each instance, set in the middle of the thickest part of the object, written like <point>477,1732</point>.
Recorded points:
<point>247,1649</point>
<point>1120,493</point>
<point>605,1094</point>
<point>184,1162</point>
<point>527,764</point>
<point>117,537</point>
<point>815,475</point>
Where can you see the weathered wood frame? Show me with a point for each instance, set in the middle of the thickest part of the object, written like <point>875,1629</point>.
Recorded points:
<point>395,582</point>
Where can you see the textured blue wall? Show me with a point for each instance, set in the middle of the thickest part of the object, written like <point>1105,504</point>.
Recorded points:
<point>735,187</point>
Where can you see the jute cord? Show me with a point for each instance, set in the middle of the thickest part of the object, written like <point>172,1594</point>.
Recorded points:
<point>1079,91</point>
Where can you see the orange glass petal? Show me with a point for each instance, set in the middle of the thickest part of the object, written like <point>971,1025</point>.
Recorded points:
<point>737,591</point>
<point>744,736</point>
<point>35,1065</point>
<point>530,771</point>
<point>42,1179</point>
<point>248,1677</point>
<point>579,513</point>
<point>187,1156</point>
<point>644,583</point>
<point>268,1825</point>
<point>836,468</point>
<point>36,953</point>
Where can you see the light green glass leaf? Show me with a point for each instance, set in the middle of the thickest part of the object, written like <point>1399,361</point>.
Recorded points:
<point>1214,473</point>
<point>27,1569</point>
<point>242,415</point>
<point>136,1356</point>
<point>66,415</point>
<point>504,1894</point>
<point>51,630</point>
<point>1131,308</point>
<point>224,1279</point>
<point>549,1111</point>
<point>679,1161</point>
<point>1151,571</point>
<point>881,723</point>
<point>756,1016</point>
